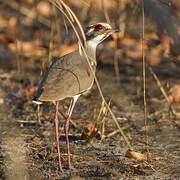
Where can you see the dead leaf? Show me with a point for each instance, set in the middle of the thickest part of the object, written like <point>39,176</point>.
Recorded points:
<point>135,155</point>
<point>5,38</point>
<point>27,21</point>
<point>3,22</point>
<point>87,131</point>
<point>13,21</point>
<point>30,91</point>
<point>154,57</point>
<point>158,158</point>
<point>1,100</point>
<point>175,93</point>
<point>90,133</point>
<point>44,8</point>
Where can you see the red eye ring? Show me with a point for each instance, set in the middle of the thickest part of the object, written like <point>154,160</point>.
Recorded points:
<point>98,27</point>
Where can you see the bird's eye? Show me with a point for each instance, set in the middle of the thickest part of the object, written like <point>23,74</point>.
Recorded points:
<point>98,27</point>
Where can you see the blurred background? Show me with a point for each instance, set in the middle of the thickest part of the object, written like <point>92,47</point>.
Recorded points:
<point>34,31</point>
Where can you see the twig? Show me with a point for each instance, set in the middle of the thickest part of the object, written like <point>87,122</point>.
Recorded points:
<point>144,82</point>
<point>113,133</point>
<point>38,114</point>
<point>177,114</point>
<point>51,43</point>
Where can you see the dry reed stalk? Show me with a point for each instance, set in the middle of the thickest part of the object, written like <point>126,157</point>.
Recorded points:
<point>116,65</point>
<point>177,114</point>
<point>144,82</point>
<point>105,111</point>
<point>51,43</point>
<point>144,90</point>
<point>38,114</point>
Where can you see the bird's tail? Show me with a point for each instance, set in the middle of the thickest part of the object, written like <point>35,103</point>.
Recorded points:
<point>36,101</point>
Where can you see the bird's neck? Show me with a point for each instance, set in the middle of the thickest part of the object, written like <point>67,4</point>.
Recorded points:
<point>90,48</point>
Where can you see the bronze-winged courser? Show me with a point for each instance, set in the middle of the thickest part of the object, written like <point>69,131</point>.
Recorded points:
<point>70,76</point>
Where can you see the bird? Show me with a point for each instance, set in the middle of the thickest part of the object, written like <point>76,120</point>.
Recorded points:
<point>70,76</point>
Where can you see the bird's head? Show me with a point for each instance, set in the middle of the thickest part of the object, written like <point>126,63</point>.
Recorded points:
<point>98,32</point>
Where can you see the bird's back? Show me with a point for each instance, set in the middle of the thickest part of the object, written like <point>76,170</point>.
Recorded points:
<point>66,77</point>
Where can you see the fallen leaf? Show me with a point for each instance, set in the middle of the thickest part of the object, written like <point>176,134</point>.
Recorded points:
<point>30,91</point>
<point>90,133</point>
<point>135,155</point>
<point>157,158</point>
<point>175,93</point>
<point>154,57</point>
<point>5,38</point>
<point>44,8</point>
<point>1,100</point>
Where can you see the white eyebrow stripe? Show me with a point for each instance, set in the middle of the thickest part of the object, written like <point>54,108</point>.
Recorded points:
<point>90,31</point>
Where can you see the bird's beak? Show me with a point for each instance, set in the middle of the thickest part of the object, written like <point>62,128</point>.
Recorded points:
<point>112,30</point>
<point>116,30</point>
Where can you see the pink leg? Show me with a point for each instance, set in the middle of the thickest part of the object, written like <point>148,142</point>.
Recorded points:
<point>57,136</point>
<point>67,127</point>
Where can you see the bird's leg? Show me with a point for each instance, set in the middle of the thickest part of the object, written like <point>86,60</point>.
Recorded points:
<point>75,98</point>
<point>56,133</point>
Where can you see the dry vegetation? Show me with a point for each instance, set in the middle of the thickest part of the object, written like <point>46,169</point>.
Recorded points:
<point>34,31</point>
